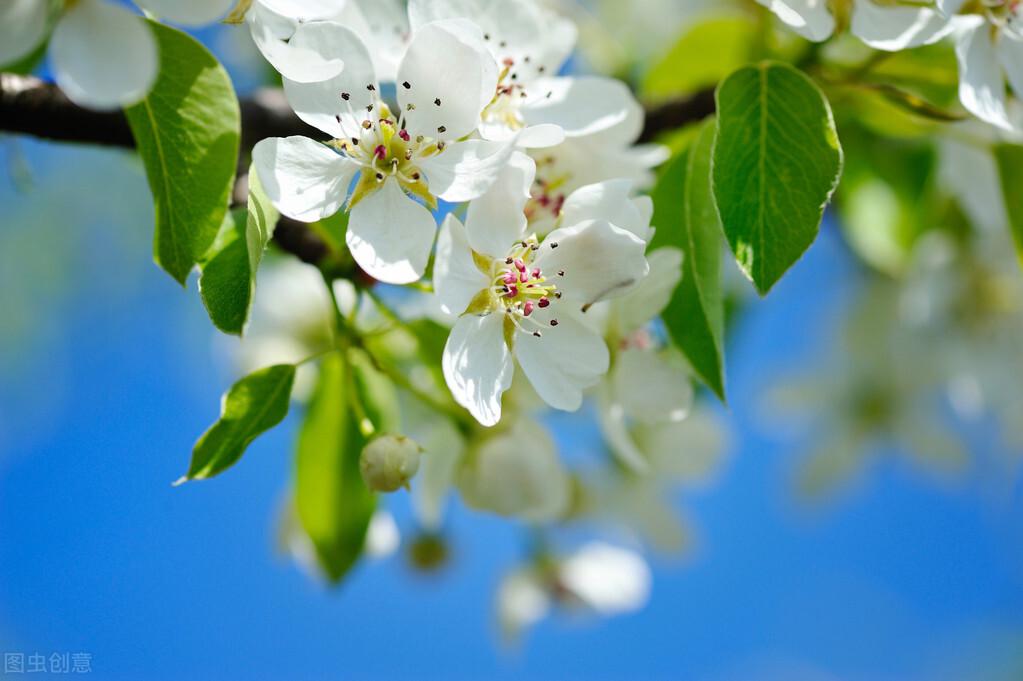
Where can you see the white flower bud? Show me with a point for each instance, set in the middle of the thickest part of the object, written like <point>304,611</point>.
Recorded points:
<point>389,462</point>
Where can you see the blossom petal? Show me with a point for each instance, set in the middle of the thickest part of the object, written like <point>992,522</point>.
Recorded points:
<point>103,56</point>
<point>898,28</point>
<point>390,235</point>
<point>320,103</point>
<point>950,7</point>
<point>465,170</point>
<point>22,28</point>
<point>611,201</point>
<point>514,30</point>
<point>1010,52</point>
<point>599,260</point>
<point>442,449</point>
<point>809,18</point>
<point>444,74</point>
<point>300,10</point>
<point>981,84</point>
<point>517,473</point>
<point>580,106</point>
<point>187,12</point>
<point>608,579</point>
<point>639,307</point>
<point>478,366</point>
<point>565,360</point>
<point>650,387</point>
<point>456,279</point>
<point>304,179</point>
<point>295,61</point>
<point>383,24</point>
<point>496,219</point>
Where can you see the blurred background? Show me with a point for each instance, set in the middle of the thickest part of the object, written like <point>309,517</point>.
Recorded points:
<point>865,521</point>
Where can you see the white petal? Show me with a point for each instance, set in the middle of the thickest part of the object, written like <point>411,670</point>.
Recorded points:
<point>294,61</point>
<point>599,260</point>
<point>898,28</point>
<point>950,7</point>
<point>608,579</point>
<point>301,10</point>
<point>22,28</point>
<point>514,30</point>
<point>615,428</point>
<point>382,24</point>
<point>981,84</point>
<point>540,136</point>
<point>809,18</point>
<point>686,451</point>
<point>103,56</point>
<point>565,360</point>
<point>456,279</point>
<point>320,103</point>
<point>496,219</point>
<point>518,473</point>
<point>304,179</point>
<point>382,536</point>
<point>1010,52</point>
<point>640,306</point>
<point>444,73</point>
<point>650,387</point>
<point>187,12</point>
<point>611,201</point>
<point>521,602</point>
<point>478,366</point>
<point>465,170</point>
<point>580,106</point>
<point>390,235</point>
<point>442,451</point>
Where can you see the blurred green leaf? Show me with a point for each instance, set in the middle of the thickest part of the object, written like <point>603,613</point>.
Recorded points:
<point>687,218</point>
<point>228,280</point>
<point>687,68</point>
<point>1010,170</point>
<point>777,160</point>
<point>187,131</point>
<point>252,406</point>
<point>885,207</point>
<point>333,503</point>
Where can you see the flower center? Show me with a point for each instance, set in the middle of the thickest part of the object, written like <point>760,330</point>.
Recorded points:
<point>384,149</point>
<point>506,106</point>
<point>1006,15</point>
<point>520,288</point>
<point>547,195</point>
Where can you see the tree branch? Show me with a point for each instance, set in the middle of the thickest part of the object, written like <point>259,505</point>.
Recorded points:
<point>30,106</point>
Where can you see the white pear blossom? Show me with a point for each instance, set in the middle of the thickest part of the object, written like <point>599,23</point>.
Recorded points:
<point>531,43</point>
<point>390,156</point>
<point>273,24</point>
<point>597,578</point>
<point>102,55</point>
<point>882,25</point>
<point>989,47</point>
<point>522,300</point>
<point>517,473</point>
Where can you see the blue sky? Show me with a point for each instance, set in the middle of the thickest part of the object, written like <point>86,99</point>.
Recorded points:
<point>109,379</point>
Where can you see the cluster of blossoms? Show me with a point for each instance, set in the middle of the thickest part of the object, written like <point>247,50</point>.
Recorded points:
<point>473,113</point>
<point>988,35</point>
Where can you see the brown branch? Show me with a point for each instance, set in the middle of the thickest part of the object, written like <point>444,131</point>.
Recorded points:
<point>30,106</point>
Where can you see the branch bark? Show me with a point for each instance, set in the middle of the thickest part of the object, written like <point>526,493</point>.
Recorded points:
<point>30,106</point>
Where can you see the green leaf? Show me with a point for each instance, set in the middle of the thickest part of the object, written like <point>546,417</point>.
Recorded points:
<point>1010,169</point>
<point>333,503</point>
<point>686,68</point>
<point>687,218</point>
<point>187,132</point>
<point>228,280</point>
<point>777,161</point>
<point>252,406</point>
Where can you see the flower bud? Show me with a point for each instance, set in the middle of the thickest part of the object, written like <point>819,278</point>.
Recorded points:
<point>389,462</point>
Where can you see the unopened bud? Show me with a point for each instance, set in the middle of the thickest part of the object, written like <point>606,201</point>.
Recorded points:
<point>389,462</point>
